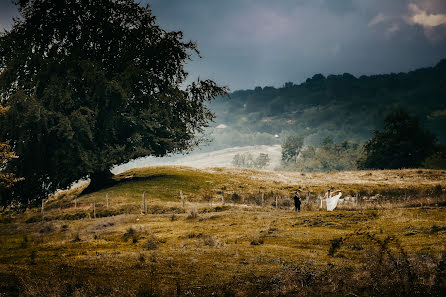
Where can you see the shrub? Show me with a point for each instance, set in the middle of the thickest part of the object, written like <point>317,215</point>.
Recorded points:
<point>152,243</point>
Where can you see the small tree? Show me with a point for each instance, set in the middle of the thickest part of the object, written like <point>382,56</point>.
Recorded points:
<point>291,148</point>
<point>262,161</point>
<point>246,160</point>
<point>402,143</point>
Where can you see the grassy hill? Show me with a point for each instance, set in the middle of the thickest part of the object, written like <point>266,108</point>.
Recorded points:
<point>389,240</point>
<point>244,246</point>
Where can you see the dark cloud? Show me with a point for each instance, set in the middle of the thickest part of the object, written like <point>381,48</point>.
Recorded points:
<point>7,11</point>
<point>245,43</point>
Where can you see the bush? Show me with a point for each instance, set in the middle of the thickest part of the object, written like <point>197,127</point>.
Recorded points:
<point>152,243</point>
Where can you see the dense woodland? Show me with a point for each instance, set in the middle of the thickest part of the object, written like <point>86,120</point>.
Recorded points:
<point>343,107</point>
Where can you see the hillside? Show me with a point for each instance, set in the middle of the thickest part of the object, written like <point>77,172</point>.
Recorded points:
<point>341,106</point>
<point>206,159</point>
<point>390,238</point>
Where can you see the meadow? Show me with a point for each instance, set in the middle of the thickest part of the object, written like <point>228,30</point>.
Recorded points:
<point>237,235</point>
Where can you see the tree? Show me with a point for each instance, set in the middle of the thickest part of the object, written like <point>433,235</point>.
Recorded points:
<point>7,179</point>
<point>247,160</point>
<point>94,83</point>
<point>402,143</point>
<point>262,161</point>
<point>291,148</point>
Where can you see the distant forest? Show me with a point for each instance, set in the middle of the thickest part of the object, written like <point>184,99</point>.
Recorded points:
<point>342,107</point>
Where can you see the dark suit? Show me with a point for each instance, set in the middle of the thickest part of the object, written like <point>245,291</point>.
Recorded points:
<point>297,202</point>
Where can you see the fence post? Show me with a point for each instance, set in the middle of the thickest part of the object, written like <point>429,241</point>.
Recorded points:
<point>143,203</point>
<point>42,210</point>
<point>276,202</point>
<point>182,198</point>
<point>106,197</point>
<point>94,209</point>
<point>75,202</point>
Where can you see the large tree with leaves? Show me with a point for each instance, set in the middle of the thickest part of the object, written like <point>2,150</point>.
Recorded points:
<point>90,84</point>
<point>402,143</point>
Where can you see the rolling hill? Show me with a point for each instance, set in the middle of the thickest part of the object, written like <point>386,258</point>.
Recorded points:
<point>343,106</point>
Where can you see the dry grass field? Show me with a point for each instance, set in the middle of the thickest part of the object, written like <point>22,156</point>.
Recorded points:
<point>388,239</point>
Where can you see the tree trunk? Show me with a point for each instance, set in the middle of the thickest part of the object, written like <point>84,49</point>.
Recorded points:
<point>99,180</point>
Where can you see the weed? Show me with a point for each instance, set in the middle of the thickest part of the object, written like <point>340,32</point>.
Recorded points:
<point>235,197</point>
<point>193,214</point>
<point>209,240</point>
<point>257,242</point>
<point>436,229</point>
<point>152,243</point>
<point>47,229</point>
<point>77,238</point>
<point>130,233</point>
<point>32,258</point>
<point>24,243</point>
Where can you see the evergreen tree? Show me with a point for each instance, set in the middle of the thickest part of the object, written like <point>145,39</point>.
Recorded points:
<point>90,84</point>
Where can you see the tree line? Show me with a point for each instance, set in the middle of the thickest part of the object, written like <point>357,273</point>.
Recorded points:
<point>401,143</point>
<point>343,107</point>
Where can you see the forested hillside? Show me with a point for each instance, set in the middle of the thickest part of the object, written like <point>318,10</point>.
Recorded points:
<point>343,107</point>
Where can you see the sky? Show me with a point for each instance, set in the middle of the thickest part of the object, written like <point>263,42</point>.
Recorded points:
<point>249,43</point>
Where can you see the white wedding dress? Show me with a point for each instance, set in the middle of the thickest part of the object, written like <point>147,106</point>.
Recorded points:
<point>332,202</point>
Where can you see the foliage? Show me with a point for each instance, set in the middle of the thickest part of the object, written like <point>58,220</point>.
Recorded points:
<point>340,106</point>
<point>402,143</point>
<point>246,160</point>
<point>7,179</point>
<point>92,84</point>
<point>438,159</point>
<point>291,148</point>
<point>329,156</point>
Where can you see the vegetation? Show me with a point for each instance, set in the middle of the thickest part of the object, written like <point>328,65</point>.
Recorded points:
<point>329,156</point>
<point>343,107</point>
<point>7,179</point>
<point>291,149</point>
<point>402,143</point>
<point>392,244</point>
<point>438,159</point>
<point>93,84</point>
<point>247,160</point>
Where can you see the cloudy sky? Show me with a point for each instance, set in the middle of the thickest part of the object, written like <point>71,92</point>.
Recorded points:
<point>248,43</point>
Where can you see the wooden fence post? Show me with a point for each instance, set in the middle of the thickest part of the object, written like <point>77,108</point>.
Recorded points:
<point>75,202</point>
<point>42,210</point>
<point>94,209</point>
<point>182,198</point>
<point>276,202</point>
<point>143,203</point>
<point>106,197</point>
